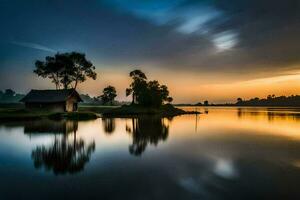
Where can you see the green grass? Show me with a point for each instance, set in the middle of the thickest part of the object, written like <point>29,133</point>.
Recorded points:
<point>74,116</point>
<point>95,108</point>
<point>87,112</point>
<point>12,114</point>
<point>135,110</point>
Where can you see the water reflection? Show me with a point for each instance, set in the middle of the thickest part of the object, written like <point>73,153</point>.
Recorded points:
<point>66,154</point>
<point>270,113</point>
<point>46,126</point>
<point>109,125</point>
<point>234,154</point>
<point>146,130</point>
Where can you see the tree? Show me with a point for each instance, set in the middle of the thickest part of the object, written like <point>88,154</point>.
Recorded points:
<point>10,96</point>
<point>169,99</point>
<point>147,93</point>
<point>49,68</point>
<point>139,83</point>
<point>109,94</point>
<point>239,100</point>
<point>9,93</point>
<point>205,103</point>
<point>156,94</point>
<point>66,69</point>
<point>81,68</point>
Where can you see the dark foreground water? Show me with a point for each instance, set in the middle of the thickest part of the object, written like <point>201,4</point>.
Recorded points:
<point>226,153</point>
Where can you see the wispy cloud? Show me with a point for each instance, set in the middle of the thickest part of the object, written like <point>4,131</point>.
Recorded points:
<point>34,46</point>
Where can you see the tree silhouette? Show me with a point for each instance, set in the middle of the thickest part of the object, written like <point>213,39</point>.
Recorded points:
<point>272,100</point>
<point>66,69</point>
<point>205,103</point>
<point>147,93</point>
<point>239,100</point>
<point>109,94</point>
<point>10,96</point>
<point>169,99</point>
<point>139,83</point>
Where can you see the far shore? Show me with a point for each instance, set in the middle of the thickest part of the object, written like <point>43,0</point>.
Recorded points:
<point>17,111</point>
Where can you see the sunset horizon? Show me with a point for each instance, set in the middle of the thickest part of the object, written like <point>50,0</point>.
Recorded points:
<point>203,50</point>
<point>149,99</point>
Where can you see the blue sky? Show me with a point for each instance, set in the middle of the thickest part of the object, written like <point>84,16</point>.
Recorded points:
<point>217,40</point>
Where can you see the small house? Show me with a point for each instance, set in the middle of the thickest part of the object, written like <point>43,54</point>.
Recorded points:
<point>52,100</point>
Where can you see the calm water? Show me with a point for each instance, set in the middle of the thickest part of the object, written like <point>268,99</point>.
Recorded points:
<point>226,153</point>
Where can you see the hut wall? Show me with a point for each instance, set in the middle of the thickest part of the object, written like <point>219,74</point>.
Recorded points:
<point>54,107</point>
<point>71,104</point>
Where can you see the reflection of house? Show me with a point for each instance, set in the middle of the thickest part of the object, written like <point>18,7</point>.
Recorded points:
<point>49,126</point>
<point>53,100</point>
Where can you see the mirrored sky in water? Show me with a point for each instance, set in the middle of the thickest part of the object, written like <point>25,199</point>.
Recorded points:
<point>226,153</point>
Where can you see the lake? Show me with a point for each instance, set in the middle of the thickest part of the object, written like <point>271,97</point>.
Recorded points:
<point>224,153</point>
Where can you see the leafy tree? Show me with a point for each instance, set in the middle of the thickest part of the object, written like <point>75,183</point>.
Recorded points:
<point>147,93</point>
<point>9,96</point>
<point>66,69</point>
<point>205,103</point>
<point>109,94</point>
<point>153,95</point>
<point>239,100</point>
<point>9,93</point>
<point>50,68</point>
<point>81,68</point>
<point>139,83</point>
<point>169,99</point>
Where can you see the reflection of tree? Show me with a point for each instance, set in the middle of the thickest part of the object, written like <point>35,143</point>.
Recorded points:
<point>146,130</point>
<point>64,155</point>
<point>109,125</point>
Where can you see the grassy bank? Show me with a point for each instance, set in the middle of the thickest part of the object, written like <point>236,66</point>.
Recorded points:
<point>11,114</point>
<point>136,110</point>
<point>74,116</point>
<point>95,108</point>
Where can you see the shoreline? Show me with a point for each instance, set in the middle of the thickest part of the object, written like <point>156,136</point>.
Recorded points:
<point>93,112</point>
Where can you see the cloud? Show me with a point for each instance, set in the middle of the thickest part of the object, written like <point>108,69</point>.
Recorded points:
<point>220,36</point>
<point>34,46</point>
<point>241,38</point>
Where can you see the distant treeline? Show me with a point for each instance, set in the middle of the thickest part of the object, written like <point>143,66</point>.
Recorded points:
<point>87,99</point>
<point>271,100</point>
<point>10,96</point>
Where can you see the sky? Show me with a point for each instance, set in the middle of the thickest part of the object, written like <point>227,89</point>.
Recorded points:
<point>214,50</point>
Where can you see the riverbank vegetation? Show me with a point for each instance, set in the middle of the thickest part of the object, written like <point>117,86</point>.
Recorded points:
<point>148,98</point>
<point>136,110</point>
<point>15,114</point>
<point>271,100</point>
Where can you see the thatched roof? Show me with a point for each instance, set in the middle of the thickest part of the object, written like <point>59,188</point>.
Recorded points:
<point>50,96</point>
